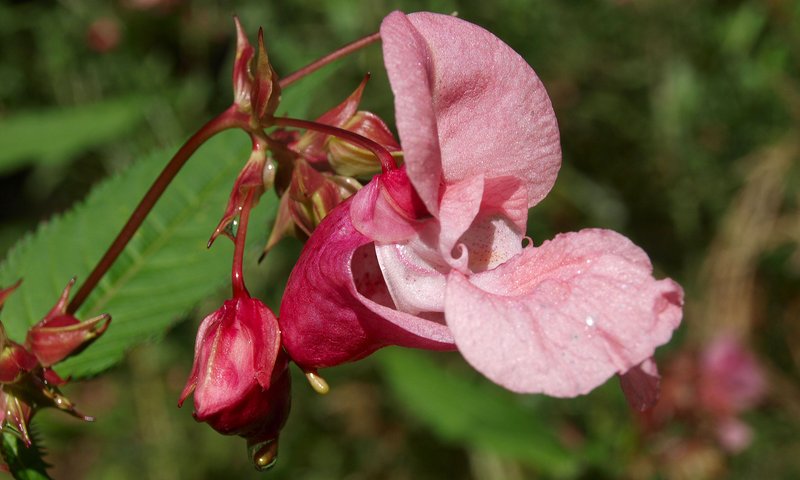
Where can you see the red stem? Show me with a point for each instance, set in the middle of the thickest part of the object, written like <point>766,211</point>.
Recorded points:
<point>237,275</point>
<point>387,161</point>
<point>316,65</point>
<point>230,118</point>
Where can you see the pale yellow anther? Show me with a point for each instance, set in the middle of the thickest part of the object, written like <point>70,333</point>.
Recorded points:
<point>317,383</point>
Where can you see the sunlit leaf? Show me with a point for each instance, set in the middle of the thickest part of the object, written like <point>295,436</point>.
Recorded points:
<point>164,271</point>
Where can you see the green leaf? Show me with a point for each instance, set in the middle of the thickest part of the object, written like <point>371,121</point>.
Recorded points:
<point>163,272</point>
<point>54,135</point>
<point>24,463</point>
<point>476,413</point>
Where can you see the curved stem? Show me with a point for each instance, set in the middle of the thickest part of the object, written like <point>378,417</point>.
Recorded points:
<point>387,160</point>
<point>237,275</point>
<point>260,144</point>
<point>230,118</point>
<point>316,65</point>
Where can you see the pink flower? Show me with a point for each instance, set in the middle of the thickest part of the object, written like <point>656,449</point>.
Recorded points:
<point>431,255</point>
<point>731,380</point>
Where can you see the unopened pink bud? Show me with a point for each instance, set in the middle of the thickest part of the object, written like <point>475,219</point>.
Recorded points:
<point>240,375</point>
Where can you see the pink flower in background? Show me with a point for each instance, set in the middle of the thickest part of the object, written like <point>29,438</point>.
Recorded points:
<point>731,382</point>
<point>431,255</point>
<point>707,390</point>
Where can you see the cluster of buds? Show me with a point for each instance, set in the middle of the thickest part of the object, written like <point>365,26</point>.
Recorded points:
<point>27,380</point>
<point>321,168</point>
<point>240,379</point>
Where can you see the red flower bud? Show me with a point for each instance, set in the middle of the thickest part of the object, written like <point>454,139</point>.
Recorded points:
<point>240,375</point>
<point>27,383</point>
<point>257,175</point>
<point>255,84</point>
<point>311,145</point>
<point>59,335</point>
<point>310,197</point>
<point>14,360</point>
<point>354,161</point>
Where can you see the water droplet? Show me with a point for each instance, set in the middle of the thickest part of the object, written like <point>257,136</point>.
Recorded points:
<point>590,321</point>
<point>264,454</point>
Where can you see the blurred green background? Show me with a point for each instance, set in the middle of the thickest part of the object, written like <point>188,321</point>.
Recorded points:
<point>679,124</point>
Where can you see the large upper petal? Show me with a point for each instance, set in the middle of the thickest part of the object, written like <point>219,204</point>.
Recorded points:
<point>562,318</point>
<point>467,104</point>
<point>336,308</point>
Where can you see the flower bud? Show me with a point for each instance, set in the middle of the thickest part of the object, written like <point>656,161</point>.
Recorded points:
<point>310,197</point>
<point>252,178</point>
<point>17,414</point>
<point>59,335</point>
<point>240,376</point>
<point>312,145</point>
<point>353,161</point>
<point>27,383</point>
<point>256,90</point>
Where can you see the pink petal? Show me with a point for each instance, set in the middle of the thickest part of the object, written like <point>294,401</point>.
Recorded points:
<point>414,272</point>
<point>409,64</point>
<point>376,214</point>
<point>641,385</point>
<point>326,320</point>
<point>495,234</point>
<point>562,318</point>
<point>459,206</point>
<point>473,224</point>
<point>467,104</point>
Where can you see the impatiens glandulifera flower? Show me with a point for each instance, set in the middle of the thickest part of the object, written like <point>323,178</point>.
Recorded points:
<point>27,383</point>
<point>431,255</point>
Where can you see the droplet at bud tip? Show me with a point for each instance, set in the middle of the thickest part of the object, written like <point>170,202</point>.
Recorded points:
<point>264,455</point>
<point>318,383</point>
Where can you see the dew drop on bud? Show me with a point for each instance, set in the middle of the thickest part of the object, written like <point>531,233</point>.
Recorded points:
<point>264,454</point>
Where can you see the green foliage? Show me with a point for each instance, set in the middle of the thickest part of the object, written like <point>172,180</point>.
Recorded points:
<point>163,272</point>
<point>475,412</point>
<point>51,136</point>
<point>24,463</point>
<point>663,107</point>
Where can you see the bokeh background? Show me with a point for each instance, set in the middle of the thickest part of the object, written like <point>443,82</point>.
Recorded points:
<point>679,123</point>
